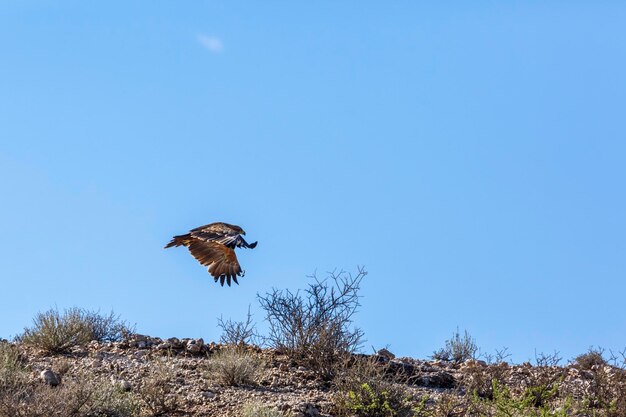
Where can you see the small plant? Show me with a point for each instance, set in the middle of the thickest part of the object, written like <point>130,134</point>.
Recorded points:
<point>368,389</point>
<point>477,379</point>
<point>422,409</point>
<point>81,396</point>
<point>314,327</point>
<point>234,367</point>
<point>449,404</point>
<point>259,410</point>
<point>593,357</point>
<point>364,401</point>
<point>12,366</point>
<point>458,348</point>
<point>238,333</point>
<point>87,395</point>
<point>57,332</point>
<point>547,360</point>
<point>505,404</point>
<point>157,392</point>
<point>539,395</point>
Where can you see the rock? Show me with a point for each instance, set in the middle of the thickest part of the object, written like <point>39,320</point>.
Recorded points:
<point>307,410</point>
<point>139,354</point>
<point>175,343</point>
<point>50,378</point>
<point>440,379</point>
<point>386,354</point>
<point>122,384</point>
<point>474,362</point>
<point>208,395</point>
<point>164,346</point>
<point>194,345</point>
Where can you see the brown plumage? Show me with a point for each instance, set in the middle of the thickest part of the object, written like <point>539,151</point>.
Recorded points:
<point>213,245</point>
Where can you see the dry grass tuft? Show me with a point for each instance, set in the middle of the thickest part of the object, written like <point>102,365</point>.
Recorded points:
<point>234,367</point>
<point>57,332</point>
<point>260,410</point>
<point>158,391</point>
<point>458,348</point>
<point>80,396</point>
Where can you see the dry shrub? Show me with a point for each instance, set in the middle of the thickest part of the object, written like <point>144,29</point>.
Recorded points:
<point>238,333</point>
<point>593,357</point>
<point>57,332</point>
<point>605,393</point>
<point>543,382</point>
<point>158,390</point>
<point>367,388</point>
<point>450,404</point>
<point>477,377</point>
<point>260,410</point>
<point>314,327</point>
<point>457,349</point>
<point>12,365</point>
<point>547,360</point>
<point>234,367</point>
<point>81,396</point>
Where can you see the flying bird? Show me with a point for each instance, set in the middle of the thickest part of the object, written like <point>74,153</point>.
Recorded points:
<point>213,245</point>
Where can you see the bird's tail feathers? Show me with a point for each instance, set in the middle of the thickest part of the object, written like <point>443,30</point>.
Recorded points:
<point>177,241</point>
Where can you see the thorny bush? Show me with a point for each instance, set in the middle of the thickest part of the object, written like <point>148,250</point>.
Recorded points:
<point>314,327</point>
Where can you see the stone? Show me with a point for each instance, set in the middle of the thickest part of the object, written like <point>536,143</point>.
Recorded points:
<point>386,354</point>
<point>175,343</point>
<point>50,378</point>
<point>194,345</point>
<point>208,395</point>
<point>441,379</point>
<point>164,346</point>
<point>122,384</point>
<point>474,362</point>
<point>308,410</point>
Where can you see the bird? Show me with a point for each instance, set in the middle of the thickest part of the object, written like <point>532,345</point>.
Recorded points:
<point>213,245</point>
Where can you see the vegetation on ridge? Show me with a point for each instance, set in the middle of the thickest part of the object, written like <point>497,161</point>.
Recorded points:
<point>84,364</point>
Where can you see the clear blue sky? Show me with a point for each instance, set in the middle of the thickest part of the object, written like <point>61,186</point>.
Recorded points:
<point>472,155</point>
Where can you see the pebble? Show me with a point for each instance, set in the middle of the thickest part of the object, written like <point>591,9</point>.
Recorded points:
<point>50,378</point>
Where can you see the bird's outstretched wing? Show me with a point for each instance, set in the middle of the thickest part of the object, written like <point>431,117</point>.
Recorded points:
<point>221,260</point>
<point>224,233</point>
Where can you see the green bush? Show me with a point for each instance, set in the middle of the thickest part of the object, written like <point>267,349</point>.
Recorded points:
<point>364,401</point>
<point>367,389</point>
<point>505,404</point>
<point>57,332</point>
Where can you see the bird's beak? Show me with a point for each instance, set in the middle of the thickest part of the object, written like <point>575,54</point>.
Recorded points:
<point>243,232</point>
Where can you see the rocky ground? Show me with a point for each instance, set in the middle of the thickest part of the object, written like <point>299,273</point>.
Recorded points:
<point>177,371</point>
